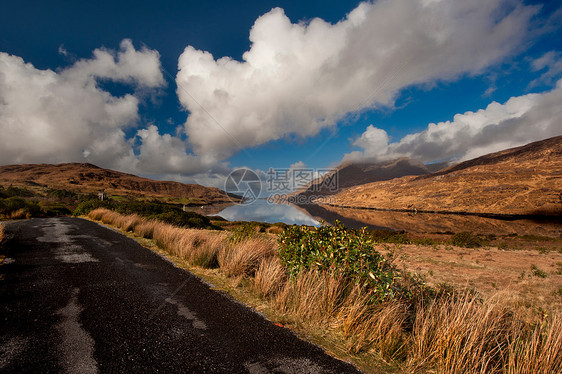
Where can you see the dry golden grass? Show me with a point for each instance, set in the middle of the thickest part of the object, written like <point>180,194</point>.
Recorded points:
<point>145,229</point>
<point>456,335</point>
<point>490,270</point>
<point>467,336</point>
<point>20,214</point>
<point>313,296</point>
<point>198,247</point>
<point>270,276</point>
<point>97,214</point>
<point>205,251</point>
<point>537,350</point>
<point>243,258</point>
<point>368,327</point>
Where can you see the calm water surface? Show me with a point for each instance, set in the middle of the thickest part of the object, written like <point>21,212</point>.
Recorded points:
<point>263,211</point>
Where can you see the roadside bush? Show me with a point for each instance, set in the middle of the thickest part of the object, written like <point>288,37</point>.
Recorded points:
<point>466,239</point>
<point>152,210</point>
<point>342,251</point>
<point>16,208</point>
<point>182,219</point>
<point>87,206</point>
<point>245,231</point>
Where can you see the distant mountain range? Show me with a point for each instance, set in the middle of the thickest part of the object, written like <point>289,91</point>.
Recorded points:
<point>88,178</point>
<point>525,180</point>
<point>354,174</point>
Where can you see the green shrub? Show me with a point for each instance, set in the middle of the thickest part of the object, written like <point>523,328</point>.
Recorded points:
<point>56,210</point>
<point>245,231</point>
<point>11,204</point>
<point>12,191</point>
<point>466,239</point>
<point>182,219</point>
<point>424,241</point>
<point>343,251</point>
<point>61,194</point>
<point>389,236</point>
<point>87,206</point>
<point>538,272</point>
<point>24,208</point>
<point>152,210</point>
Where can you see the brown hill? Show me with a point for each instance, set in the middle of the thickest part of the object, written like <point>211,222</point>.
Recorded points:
<point>88,178</point>
<point>354,174</point>
<point>521,181</point>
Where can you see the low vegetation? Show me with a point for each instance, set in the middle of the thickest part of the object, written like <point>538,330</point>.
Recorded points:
<point>16,208</point>
<point>350,255</point>
<point>154,210</point>
<point>466,239</point>
<point>20,203</point>
<point>333,279</point>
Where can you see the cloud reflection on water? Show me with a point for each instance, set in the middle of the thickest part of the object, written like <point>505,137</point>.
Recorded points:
<point>262,211</point>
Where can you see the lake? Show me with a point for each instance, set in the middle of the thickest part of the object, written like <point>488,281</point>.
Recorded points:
<point>264,211</point>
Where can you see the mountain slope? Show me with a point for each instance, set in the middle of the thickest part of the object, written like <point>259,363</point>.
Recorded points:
<point>522,180</point>
<point>86,178</point>
<point>354,174</point>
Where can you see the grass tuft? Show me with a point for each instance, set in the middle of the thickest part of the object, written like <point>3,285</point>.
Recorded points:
<point>243,258</point>
<point>270,276</point>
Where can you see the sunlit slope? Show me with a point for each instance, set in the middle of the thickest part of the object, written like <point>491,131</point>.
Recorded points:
<point>86,178</point>
<point>522,180</point>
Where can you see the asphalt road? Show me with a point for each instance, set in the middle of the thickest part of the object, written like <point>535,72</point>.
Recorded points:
<point>77,297</point>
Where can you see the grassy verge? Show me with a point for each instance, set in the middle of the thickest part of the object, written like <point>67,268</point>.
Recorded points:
<point>333,287</point>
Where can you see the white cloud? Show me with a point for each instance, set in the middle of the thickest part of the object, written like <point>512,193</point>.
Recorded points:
<point>62,116</point>
<point>299,78</point>
<point>165,152</point>
<point>63,50</point>
<point>298,165</point>
<point>127,65</point>
<point>551,63</point>
<point>519,121</point>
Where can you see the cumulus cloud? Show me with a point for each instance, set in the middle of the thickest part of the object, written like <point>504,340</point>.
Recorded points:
<point>160,152</point>
<point>519,121</point>
<point>298,78</point>
<point>62,116</point>
<point>127,65</point>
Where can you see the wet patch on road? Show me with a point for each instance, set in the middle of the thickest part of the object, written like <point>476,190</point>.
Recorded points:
<point>286,365</point>
<point>59,233</point>
<point>77,347</point>
<point>184,312</point>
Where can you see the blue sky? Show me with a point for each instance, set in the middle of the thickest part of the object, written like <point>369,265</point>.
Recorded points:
<point>306,83</point>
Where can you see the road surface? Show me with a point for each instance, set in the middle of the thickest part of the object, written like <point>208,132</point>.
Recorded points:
<point>77,297</point>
